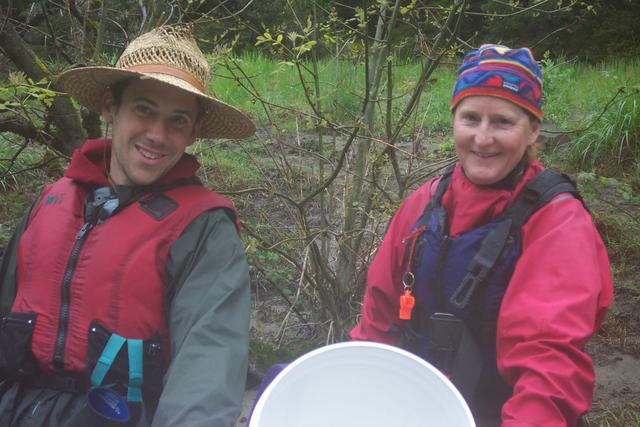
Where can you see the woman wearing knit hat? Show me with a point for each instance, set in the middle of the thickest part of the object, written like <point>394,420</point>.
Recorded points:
<point>494,271</point>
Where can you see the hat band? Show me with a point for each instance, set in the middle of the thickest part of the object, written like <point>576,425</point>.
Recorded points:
<point>170,71</point>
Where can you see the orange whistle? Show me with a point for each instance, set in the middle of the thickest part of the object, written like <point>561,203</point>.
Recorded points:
<point>407,301</point>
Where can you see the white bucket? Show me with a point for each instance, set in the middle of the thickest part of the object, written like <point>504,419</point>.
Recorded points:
<point>361,384</point>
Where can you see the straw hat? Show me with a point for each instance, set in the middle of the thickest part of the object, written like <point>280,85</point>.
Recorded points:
<point>170,55</point>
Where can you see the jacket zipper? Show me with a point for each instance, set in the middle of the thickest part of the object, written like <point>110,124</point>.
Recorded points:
<point>65,296</point>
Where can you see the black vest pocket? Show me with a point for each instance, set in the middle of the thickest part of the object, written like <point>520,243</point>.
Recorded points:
<point>16,330</point>
<point>118,374</point>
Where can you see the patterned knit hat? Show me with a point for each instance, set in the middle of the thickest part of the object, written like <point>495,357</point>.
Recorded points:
<point>170,55</point>
<point>496,70</point>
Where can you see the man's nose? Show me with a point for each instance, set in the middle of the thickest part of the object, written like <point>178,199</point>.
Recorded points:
<point>156,130</point>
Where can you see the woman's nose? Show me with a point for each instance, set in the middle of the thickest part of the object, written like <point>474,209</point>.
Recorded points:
<point>484,134</point>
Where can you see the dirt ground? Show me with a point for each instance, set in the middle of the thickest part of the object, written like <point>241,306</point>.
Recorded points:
<point>617,372</point>
<point>617,380</point>
<point>615,352</point>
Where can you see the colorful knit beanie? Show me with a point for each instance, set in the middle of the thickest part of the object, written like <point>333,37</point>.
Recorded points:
<point>496,70</point>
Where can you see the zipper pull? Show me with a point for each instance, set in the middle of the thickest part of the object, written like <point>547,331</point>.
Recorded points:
<point>85,228</point>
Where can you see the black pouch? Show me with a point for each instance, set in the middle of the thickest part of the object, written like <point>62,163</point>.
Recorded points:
<point>445,332</point>
<point>16,330</point>
<point>118,374</point>
<point>455,351</point>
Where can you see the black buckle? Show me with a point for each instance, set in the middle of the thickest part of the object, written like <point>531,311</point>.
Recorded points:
<point>478,269</point>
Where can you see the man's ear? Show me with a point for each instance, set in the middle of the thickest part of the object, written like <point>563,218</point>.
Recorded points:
<point>108,106</point>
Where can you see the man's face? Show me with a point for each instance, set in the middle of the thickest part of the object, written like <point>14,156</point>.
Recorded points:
<point>151,127</point>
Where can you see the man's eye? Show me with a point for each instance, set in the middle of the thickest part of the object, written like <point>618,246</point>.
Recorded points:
<point>471,117</point>
<point>503,121</point>
<point>180,121</point>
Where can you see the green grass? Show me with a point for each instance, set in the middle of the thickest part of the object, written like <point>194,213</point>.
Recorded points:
<point>617,415</point>
<point>226,165</point>
<point>602,104</point>
<point>341,91</point>
<point>614,141</point>
<point>574,98</point>
<point>575,93</point>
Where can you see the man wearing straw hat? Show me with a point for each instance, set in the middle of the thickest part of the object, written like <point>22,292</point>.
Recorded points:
<point>124,292</point>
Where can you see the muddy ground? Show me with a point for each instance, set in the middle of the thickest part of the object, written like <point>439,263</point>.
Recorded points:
<point>615,358</point>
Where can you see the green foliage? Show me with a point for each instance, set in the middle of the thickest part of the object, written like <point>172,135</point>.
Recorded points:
<point>19,163</point>
<point>600,106</point>
<point>341,82</point>
<point>272,264</point>
<point>558,76</point>
<point>447,147</point>
<point>225,165</point>
<point>615,206</point>
<point>613,142</point>
<point>20,180</point>
<point>19,91</point>
<point>12,207</point>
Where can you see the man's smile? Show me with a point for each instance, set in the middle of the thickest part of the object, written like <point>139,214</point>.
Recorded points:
<point>149,154</point>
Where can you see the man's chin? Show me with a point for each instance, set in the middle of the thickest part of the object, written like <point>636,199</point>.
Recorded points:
<point>145,180</point>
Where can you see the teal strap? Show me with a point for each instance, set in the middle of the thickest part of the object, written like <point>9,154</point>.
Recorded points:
<point>134,393</point>
<point>106,359</point>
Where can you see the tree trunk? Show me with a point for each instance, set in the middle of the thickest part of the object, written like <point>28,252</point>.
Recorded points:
<point>65,116</point>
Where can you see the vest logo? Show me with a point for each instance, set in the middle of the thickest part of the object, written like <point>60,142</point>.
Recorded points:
<point>54,199</point>
<point>158,206</point>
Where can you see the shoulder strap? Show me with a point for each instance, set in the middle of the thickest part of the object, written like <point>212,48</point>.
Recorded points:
<point>539,191</point>
<point>436,198</point>
<point>442,187</point>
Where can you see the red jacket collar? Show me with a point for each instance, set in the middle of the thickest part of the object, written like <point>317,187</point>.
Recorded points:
<point>90,165</point>
<point>474,205</point>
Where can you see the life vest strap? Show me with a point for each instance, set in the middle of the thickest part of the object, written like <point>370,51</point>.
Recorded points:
<point>108,356</point>
<point>134,389</point>
<point>109,353</point>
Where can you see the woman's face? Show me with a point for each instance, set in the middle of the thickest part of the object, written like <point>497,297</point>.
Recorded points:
<point>491,136</point>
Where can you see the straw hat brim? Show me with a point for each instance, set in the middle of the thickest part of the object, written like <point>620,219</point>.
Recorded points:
<point>88,84</point>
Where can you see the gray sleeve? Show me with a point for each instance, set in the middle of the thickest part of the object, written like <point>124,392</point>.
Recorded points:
<point>208,309</point>
<point>8,270</point>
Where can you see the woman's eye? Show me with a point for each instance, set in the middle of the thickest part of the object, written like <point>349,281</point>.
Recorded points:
<point>142,110</point>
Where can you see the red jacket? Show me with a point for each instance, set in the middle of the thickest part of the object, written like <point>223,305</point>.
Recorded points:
<point>555,301</point>
<point>119,273</point>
